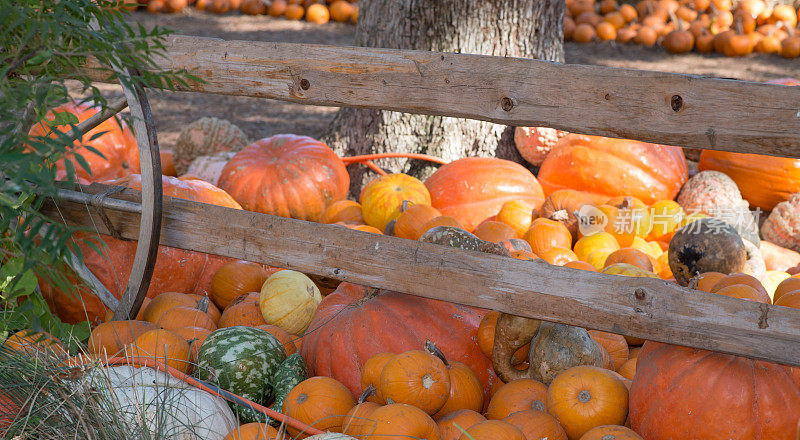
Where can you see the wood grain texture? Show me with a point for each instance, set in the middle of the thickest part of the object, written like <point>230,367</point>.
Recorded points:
<point>660,311</point>
<point>709,113</point>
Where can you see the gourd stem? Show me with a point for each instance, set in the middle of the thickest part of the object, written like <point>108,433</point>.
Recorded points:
<point>209,388</point>
<point>431,348</point>
<point>367,157</point>
<point>368,391</point>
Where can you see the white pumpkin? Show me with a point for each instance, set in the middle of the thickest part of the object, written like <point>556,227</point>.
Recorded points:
<point>330,436</point>
<point>165,406</point>
<point>209,168</point>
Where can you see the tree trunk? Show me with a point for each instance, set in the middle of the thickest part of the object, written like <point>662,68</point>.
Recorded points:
<point>511,28</point>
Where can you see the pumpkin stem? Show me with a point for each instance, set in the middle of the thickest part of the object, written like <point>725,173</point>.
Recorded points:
<point>203,304</point>
<point>389,229</point>
<point>368,391</point>
<point>368,157</point>
<point>431,348</point>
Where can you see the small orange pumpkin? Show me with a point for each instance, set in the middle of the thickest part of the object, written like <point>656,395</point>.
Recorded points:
<point>410,222</point>
<point>253,431</point>
<point>371,375</point>
<point>194,336</point>
<point>235,279</point>
<point>110,337</point>
<point>559,256</point>
<point>320,402</point>
<point>611,432</point>
<point>748,280</point>
<point>288,341</point>
<point>616,345</point>
<point>628,369</point>
<point>415,378</point>
<point>706,281</point>
<point>537,425</point>
<point>398,420</point>
<point>382,199</point>
<point>788,285</point>
<point>517,395</point>
<point>466,391</point>
<point>246,312</point>
<point>518,214</point>
<point>545,234</point>
<point>630,256</point>
<point>453,425</point>
<point>494,231</point>
<point>358,421</point>
<point>163,346</point>
<point>183,316</point>
<point>493,430</point>
<point>343,211</point>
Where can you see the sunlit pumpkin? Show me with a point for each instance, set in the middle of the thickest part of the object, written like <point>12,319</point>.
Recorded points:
<point>289,300</point>
<point>518,214</point>
<point>411,220</point>
<point>631,256</point>
<point>558,256</point>
<point>343,211</point>
<point>546,234</point>
<point>494,231</point>
<point>382,199</point>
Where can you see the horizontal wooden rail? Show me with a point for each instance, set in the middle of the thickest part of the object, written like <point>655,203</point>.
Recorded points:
<point>664,108</point>
<point>641,307</point>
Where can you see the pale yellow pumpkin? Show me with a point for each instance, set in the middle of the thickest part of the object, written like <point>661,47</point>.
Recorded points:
<point>772,279</point>
<point>289,300</point>
<point>591,243</point>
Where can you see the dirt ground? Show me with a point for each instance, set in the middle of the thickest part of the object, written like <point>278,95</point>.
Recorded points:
<point>261,117</point>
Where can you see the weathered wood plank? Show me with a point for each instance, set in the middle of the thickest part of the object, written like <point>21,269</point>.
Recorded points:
<point>664,108</point>
<point>641,307</point>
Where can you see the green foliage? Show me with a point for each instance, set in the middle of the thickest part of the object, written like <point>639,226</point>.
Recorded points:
<point>43,44</point>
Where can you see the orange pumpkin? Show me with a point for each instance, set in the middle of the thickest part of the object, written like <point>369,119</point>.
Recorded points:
<point>616,345</point>
<point>494,231</point>
<point>342,10</point>
<point>415,378</point>
<point>288,341</point>
<point>194,336</point>
<point>382,199</point>
<point>453,425</point>
<point>253,431</point>
<point>318,14</point>
<point>492,430</point>
<point>475,188</point>
<point>203,302</point>
<point>518,214</point>
<point>398,420</point>
<point>764,181</point>
<point>742,291</point>
<point>628,369</point>
<point>109,338</point>
<point>320,402</point>
<point>466,391</point>
<point>410,222</point>
<point>705,281</point>
<point>561,205</point>
<point>788,285</point>
<point>120,153</point>
<point>444,220</point>
<point>286,175</point>
<point>163,346</point>
<point>343,211</point>
<point>358,421</point>
<point>613,167</point>
<point>362,228</point>
<point>666,217</point>
<point>33,342</point>
<point>183,316</point>
<point>583,397</point>
<point>790,299</point>
<point>582,265</point>
<point>748,280</point>
<point>235,279</point>
<point>611,432</point>
<point>631,256</point>
<point>517,395</point>
<point>524,255</point>
<point>546,234</point>
<point>537,425</point>
<point>245,313</point>
<point>161,303</point>
<point>559,256</point>
<point>371,375</point>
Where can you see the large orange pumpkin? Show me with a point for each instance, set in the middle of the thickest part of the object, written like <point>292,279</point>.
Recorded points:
<point>713,396</point>
<point>476,188</point>
<point>764,181</point>
<point>120,152</point>
<point>176,270</point>
<point>286,175</point>
<point>614,167</point>
<point>355,323</point>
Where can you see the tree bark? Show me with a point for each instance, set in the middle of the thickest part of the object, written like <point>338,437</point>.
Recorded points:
<point>510,28</point>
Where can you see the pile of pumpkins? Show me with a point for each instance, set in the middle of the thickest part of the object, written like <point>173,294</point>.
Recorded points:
<point>314,11</point>
<point>681,26</point>
<point>643,191</point>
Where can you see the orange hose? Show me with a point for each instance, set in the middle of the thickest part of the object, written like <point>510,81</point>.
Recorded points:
<point>371,165</point>
<point>152,363</point>
<point>353,159</point>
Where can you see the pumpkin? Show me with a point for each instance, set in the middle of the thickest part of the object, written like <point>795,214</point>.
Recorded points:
<point>163,346</point>
<point>204,303</point>
<point>583,33</point>
<point>790,299</point>
<point>588,244</point>
<point>705,245</point>
<point>741,278</point>
<point>534,143</point>
<point>518,214</point>
<point>359,419</point>
<point>515,396</point>
<point>288,300</point>
<point>741,291</point>
<point>183,316</point>
<point>678,41</point>
<point>582,265</point>
<point>410,222</point>
<point>32,342</point>
<point>117,144</point>
<point>561,205</point>
<point>114,264</point>
<point>286,175</point>
<point>516,244</point>
<point>415,378</point>
<point>559,256</point>
<point>206,136</point>
<point>475,188</point>
<point>494,231</point>
<point>208,168</point>
<point>453,425</point>
<point>288,342</point>
<point>162,303</point>
<point>616,345</point>
<point>781,227</point>
<point>294,12</point>
<point>631,256</point>
<point>246,313</point>
<point>343,211</point>
<point>705,281</point>
<point>253,431</point>
<point>382,199</point>
<point>537,425</point>
<point>235,279</point>
<point>613,167</point>
<point>277,8</point>
<point>466,391</point>
<point>777,258</point>
<point>546,234</point>
<point>788,285</point>
<point>628,369</point>
<point>318,14</point>
<point>710,192</point>
<point>371,375</point>
<point>492,430</point>
<point>344,332</point>
<point>341,10</point>
<point>584,397</point>
<point>764,181</point>
<point>399,420</point>
<point>674,382</point>
<point>444,220</point>
<point>627,219</point>
<point>627,270</point>
<point>109,338</point>
<point>320,402</point>
<point>606,31</point>
<point>666,216</point>
<point>611,432</point>
<point>194,336</point>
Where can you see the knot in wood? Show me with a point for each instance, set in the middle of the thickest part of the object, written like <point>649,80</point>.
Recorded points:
<point>640,294</point>
<point>506,103</point>
<point>305,84</point>
<point>676,102</point>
